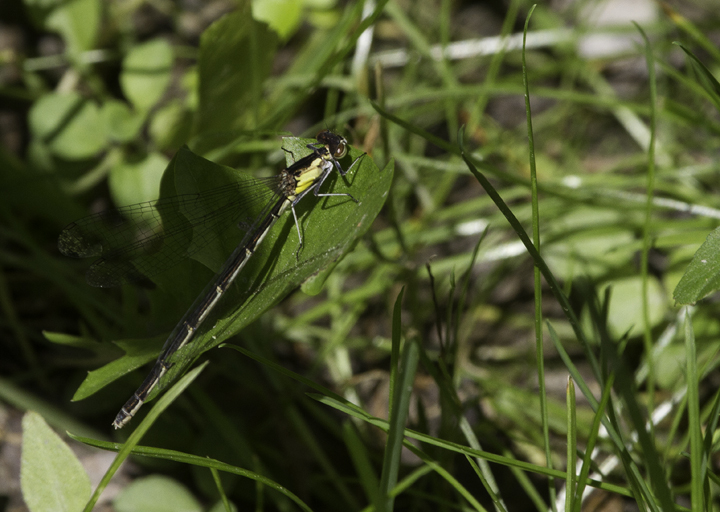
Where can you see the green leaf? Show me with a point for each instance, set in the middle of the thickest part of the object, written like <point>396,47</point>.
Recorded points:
<point>283,16</point>
<point>69,125</point>
<point>51,476</point>
<point>361,458</point>
<point>624,315</point>
<point>135,182</point>
<point>101,350</point>
<point>170,126</point>
<point>146,73</point>
<point>669,367</point>
<point>330,227</point>
<point>122,123</point>
<point>137,353</point>
<point>77,21</point>
<point>220,507</point>
<point>236,54</point>
<point>70,340</point>
<point>593,241</point>
<point>156,493</point>
<point>702,276</point>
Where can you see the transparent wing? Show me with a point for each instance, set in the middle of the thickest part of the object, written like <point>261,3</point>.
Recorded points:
<point>138,241</point>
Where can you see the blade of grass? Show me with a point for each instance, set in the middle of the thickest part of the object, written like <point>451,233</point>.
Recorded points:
<point>464,290</point>
<point>288,373</point>
<point>697,454</point>
<point>570,480</point>
<point>634,474</point>
<point>528,487</point>
<point>709,432</point>
<point>361,461</point>
<point>185,458</point>
<point>418,39</point>
<point>493,69</point>
<point>590,447</point>
<point>444,473</point>
<point>464,450</point>
<point>221,491</point>
<point>314,446</point>
<point>537,282</point>
<point>570,314</point>
<point>404,484</point>
<point>399,407</point>
<point>395,348</point>
<point>628,394</point>
<point>706,78</point>
<point>689,28</point>
<point>499,505</point>
<point>647,226</point>
<point>564,303</point>
<point>537,259</point>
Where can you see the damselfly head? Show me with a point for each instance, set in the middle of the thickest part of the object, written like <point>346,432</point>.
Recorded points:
<point>335,143</point>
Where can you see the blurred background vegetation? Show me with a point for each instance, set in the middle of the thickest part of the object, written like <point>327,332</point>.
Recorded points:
<point>96,98</point>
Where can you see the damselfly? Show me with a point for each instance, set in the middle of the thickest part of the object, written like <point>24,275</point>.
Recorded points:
<point>143,241</point>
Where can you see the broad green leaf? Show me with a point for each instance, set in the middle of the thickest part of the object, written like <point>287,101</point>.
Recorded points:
<point>123,124</point>
<point>77,21</point>
<point>330,226</point>
<point>170,126</point>
<point>135,182</point>
<point>69,125</point>
<point>156,493</point>
<point>40,155</point>
<point>146,73</point>
<point>220,507</point>
<point>702,276</point>
<point>51,476</point>
<point>236,54</point>
<point>593,241</point>
<point>625,314</point>
<point>283,16</point>
<point>670,367</point>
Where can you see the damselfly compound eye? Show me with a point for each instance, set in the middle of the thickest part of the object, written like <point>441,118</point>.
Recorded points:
<point>340,150</point>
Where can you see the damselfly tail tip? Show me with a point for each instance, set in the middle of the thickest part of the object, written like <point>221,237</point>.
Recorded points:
<point>119,422</point>
<point>127,412</point>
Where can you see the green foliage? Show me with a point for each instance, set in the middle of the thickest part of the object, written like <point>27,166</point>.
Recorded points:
<point>702,276</point>
<point>52,477</point>
<point>283,16</point>
<point>572,224</point>
<point>68,126</point>
<point>146,73</point>
<point>158,493</point>
<point>329,230</point>
<point>77,21</point>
